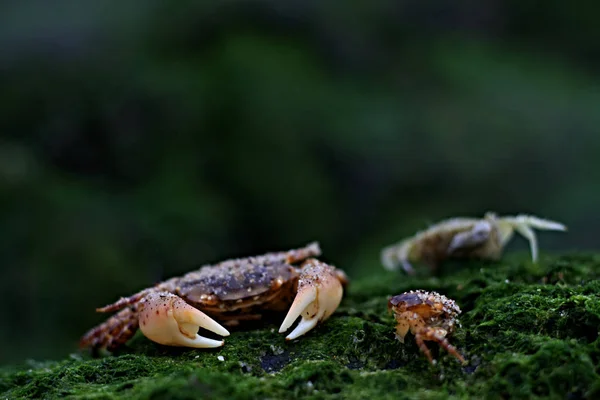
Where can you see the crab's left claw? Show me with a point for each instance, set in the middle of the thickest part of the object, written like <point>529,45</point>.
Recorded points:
<point>320,291</point>
<point>166,319</point>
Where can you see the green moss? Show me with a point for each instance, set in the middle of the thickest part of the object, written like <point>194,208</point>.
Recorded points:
<point>527,330</point>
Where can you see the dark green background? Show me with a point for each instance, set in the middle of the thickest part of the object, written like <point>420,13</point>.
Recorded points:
<point>140,140</point>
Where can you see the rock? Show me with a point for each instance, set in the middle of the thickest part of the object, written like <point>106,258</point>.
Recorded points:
<point>527,331</point>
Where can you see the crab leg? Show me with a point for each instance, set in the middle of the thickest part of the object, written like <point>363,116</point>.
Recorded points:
<point>124,302</point>
<point>529,234</point>
<point>524,224</point>
<point>433,335</point>
<point>166,319</point>
<point>539,223</point>
<point>319,294</point>
<point>114,332</point>
<point>310,250</point>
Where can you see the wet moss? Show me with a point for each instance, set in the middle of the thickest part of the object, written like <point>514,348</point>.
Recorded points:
<point>528,330</point>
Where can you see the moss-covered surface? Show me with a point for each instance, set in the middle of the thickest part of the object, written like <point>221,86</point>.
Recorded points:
<point>527,331</point>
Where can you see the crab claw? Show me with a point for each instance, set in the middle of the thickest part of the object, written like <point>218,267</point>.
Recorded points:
<point>166,319</point>
<point>319,294</point>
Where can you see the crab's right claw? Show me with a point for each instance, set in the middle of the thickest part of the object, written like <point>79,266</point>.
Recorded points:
<point>166,319</point>
<point>320,292</point>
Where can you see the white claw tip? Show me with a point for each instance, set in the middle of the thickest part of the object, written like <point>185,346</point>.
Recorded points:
<point>303,327</point>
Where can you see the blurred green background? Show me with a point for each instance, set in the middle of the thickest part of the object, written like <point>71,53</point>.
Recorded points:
<point>142,139</point>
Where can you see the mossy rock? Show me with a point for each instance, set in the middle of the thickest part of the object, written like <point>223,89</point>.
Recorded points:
<point>528,331</point>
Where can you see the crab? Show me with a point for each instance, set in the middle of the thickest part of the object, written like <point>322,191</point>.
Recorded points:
<point>231,292</point>
<point>428,316</point>
<point>465,238</point>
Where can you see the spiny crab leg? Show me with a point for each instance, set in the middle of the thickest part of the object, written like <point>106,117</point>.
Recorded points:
<point>539,223</point>
<point>524,224</point>
<point>319,294</point>
<point>166,319</point>
<point>311,250</point>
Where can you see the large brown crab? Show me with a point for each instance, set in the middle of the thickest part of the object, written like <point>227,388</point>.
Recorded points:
<point>171,312</point>
<point>465,238</point>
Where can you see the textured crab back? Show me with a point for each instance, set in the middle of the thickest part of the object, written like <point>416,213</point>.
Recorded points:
<point>235,279</point>
<point>423,302</point>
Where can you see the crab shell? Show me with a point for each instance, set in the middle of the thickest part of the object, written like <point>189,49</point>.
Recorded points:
<point>229,292</point>
<point>236,290</point>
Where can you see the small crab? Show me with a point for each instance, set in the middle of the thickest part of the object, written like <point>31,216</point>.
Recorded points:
<point>465,238</point>
<point>232,291</point>
<point>429,316</point>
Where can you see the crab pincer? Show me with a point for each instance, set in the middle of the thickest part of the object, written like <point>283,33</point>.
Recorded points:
<point>166,319</point>
<point>320,291</point>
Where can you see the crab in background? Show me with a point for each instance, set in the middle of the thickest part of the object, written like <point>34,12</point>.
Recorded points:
<point>465,238</point>
<point>230,292</point>
<point>428,316</point>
